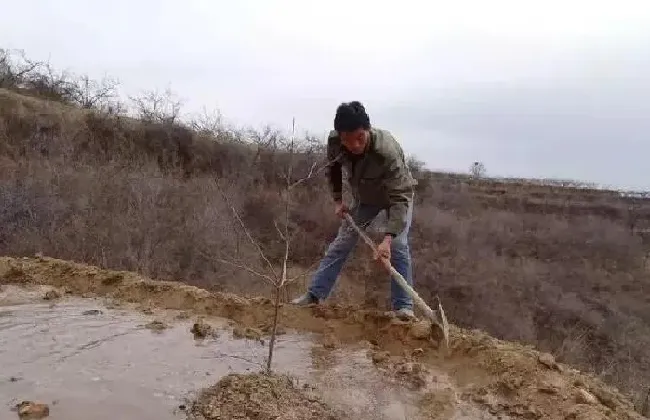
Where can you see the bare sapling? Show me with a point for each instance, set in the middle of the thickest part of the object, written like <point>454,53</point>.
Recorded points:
<point>278,280</point>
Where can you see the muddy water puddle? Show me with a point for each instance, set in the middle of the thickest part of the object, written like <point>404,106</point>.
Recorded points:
<point>87,360</point>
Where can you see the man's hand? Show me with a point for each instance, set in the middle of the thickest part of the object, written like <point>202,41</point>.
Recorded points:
<point>383,250</point>
<point>340,209</point>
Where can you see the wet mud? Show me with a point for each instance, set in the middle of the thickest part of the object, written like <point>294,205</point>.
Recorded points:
<point>97,342</point>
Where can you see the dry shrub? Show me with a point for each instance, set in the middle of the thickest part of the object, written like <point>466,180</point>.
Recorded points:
<point>576,287</point>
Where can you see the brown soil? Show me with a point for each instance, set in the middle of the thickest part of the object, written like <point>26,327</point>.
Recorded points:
<point>506,379</point>
<point>261,397</point>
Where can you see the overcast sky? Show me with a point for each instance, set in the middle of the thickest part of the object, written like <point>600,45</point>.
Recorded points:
<point>533,89</point>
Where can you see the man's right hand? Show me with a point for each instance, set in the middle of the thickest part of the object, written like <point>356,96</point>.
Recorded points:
<point>340,209</point>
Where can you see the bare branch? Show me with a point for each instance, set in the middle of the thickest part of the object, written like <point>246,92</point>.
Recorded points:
<point>312,173</point>
<point>250,270</point>
<point>277,227</point>
<point>311,170</point>
<point>287,204</point>
<point>243,226</point>
<point>287,241</point>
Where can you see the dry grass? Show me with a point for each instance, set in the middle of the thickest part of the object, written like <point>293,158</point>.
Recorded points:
<point>564,269</point>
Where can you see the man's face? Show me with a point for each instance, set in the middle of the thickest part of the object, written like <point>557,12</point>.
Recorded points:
<point>355,141</point>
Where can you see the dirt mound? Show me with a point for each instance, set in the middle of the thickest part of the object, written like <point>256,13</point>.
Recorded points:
<point>508,380</point>
<point>261,397</point>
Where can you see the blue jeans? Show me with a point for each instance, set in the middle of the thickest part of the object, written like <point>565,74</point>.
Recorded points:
<point>338,251</point>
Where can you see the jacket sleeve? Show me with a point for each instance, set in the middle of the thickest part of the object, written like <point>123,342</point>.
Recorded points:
<point>335,175</point>
<point>399,187</point>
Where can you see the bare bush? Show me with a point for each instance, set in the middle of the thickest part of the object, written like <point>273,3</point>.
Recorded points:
<point>91,94</point>
<point>286,232</point>
<point>208,123</point>
<point>477,170</point>
<point>15,68</point>
<point>154,106</point>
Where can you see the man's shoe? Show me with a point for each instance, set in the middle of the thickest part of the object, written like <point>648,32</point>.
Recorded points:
<point>405,314</point>
<point>304,300</point>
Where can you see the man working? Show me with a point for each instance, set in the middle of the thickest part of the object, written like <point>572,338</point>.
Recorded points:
<point>380,180</point>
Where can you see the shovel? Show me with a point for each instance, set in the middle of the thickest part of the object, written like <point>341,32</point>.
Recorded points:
<point>441,324</point>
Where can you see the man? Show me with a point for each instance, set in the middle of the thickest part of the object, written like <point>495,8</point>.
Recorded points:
<point>380,180</point>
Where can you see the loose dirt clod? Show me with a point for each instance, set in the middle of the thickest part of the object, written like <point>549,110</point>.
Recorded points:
<point>547,360</point>
<point>378,356</point>
<point>421,330</point>
<point>247,332</point>
<point>261,397</point>
<point>201,329</point>
<point>52,295</point>
<point>584,397</point>
<point>28,410</point>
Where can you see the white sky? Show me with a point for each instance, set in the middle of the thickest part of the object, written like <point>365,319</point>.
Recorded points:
<point>536,89</point>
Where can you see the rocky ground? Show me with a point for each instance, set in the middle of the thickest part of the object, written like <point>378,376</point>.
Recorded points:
<point>506,380</point>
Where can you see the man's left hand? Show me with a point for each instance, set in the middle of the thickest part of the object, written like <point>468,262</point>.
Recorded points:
<point>383,250</point>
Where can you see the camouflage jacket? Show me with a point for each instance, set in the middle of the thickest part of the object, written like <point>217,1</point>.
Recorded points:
<point>379,177</point>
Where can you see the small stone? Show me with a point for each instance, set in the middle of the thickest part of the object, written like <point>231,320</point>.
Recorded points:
<point>421,329</point>
<point>32,410</point>
<point>389,315</point>
<point>606,397</point>
<point>417,352</point>
<point>547,360</point>
<point>379,356</point>
<point>585,397</point>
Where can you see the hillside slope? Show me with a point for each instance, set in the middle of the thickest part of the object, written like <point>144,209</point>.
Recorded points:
<point>564,269</point>
<point>506,379</point>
